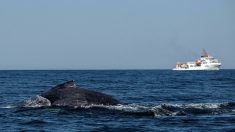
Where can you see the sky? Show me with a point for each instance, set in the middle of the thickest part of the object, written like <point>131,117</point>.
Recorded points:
<point>114,34</point>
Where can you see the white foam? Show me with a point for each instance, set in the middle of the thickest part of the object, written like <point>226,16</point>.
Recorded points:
<point>120,107</point>
<point>204,105</point>
<point>35,102</point>
<point>136,107</point>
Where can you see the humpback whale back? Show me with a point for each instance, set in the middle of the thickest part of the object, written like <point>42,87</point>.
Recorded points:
<point>58,92</point>
<point>68,94</point>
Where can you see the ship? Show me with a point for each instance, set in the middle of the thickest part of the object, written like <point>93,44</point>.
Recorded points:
<point>205,62</point>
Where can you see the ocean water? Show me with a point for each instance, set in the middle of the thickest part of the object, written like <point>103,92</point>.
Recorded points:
<point>152,100</point>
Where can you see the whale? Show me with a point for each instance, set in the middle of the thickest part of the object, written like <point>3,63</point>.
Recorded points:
<point>68,94</point>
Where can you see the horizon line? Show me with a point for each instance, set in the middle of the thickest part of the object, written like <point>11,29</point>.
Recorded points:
<point>93,69</point>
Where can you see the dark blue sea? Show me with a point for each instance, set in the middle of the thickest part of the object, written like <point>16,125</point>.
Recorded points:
<point>152,100</point>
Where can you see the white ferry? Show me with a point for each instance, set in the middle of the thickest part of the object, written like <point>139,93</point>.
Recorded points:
<point>206,62</point>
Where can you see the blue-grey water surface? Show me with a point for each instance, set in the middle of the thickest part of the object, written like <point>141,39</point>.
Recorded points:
<point>153,100</point>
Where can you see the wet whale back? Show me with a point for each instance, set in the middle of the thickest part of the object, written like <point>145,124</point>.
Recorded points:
<point>68,94</point>
<point>94,97</point>
<point>60,91</point>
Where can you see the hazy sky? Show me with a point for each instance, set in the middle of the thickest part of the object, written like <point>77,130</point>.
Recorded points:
<point>114,34</point>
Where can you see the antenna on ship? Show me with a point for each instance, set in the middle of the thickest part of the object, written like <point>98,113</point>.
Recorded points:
<point>204,53</point>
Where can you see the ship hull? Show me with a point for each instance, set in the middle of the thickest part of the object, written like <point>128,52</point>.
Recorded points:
<point>196,69</point>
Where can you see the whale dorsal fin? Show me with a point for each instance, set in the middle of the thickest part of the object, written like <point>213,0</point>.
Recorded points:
<point>57,92</point>
<point>68,84</point>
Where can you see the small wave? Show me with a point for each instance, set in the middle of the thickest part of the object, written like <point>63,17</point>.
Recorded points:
<point>34,122</point>
<point>7,107</point>
<point>224,79</point>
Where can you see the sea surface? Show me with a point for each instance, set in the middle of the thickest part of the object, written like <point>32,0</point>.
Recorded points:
<point>152,100</point>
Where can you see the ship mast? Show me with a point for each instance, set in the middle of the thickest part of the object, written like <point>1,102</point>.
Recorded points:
<point>204,53</point>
